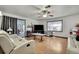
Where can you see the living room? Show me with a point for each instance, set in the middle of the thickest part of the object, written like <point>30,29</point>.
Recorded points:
<point>38,27</point>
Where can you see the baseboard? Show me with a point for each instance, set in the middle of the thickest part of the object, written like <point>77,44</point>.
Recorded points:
<point>62,37</point>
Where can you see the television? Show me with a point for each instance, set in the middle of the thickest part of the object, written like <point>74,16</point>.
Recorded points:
<point>38,28</point>
<point>56,25</point>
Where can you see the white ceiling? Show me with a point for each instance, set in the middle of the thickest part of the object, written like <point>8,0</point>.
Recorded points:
<point>31,11</point>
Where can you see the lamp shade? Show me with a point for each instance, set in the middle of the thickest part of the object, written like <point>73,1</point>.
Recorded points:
<point>0,13</point>
<point>74,29</point>
<point>29,29</point>
<point>10,29</point>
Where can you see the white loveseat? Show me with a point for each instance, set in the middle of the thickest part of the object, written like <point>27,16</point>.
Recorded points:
<point>15,45</point>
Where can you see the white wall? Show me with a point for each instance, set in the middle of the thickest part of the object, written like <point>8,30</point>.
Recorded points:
<point>64,10</point>
<point>68,23</point>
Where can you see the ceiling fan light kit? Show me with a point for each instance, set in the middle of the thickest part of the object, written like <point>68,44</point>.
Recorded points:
<point>45,15</point>
<point>46,11</point>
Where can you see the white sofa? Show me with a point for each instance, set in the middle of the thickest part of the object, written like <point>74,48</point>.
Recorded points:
<point>73,45</point>
<point>15,45</point>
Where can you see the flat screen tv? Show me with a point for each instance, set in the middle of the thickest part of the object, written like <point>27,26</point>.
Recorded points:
<point>38,27</point>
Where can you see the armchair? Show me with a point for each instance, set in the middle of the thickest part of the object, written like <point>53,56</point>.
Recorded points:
<point>12,46</point>
<point>73,45</point>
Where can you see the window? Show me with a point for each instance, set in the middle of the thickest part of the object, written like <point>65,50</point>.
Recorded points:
<point>55,25</point>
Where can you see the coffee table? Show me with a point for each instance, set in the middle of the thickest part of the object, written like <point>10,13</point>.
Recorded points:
<point>38,34</point>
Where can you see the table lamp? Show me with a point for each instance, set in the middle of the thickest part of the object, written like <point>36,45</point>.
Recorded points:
<point>9,30</point>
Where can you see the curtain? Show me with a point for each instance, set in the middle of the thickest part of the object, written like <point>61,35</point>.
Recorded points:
<point>0,21</point>
<point>13,24</point>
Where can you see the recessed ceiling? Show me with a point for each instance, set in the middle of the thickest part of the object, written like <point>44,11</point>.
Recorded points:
<point>31,11</point>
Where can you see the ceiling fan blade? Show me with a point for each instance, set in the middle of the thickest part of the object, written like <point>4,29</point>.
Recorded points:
<point>48,6</point>
<point>38,8</point>
<point>51,15</point>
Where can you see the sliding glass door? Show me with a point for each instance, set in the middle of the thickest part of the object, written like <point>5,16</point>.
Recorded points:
<point>21,27</point>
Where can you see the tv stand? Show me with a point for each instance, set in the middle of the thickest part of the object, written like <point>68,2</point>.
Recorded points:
<point>39,31</point>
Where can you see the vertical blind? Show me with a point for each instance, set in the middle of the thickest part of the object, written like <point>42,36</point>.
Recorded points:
<point>13,24</point>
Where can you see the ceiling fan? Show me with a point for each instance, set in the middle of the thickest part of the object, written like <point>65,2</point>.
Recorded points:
<point>46,11</point>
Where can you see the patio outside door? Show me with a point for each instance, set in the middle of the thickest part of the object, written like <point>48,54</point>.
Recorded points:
<point>21,27</point>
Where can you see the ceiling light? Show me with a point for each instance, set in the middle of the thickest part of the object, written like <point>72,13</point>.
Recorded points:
<point>45,15</point>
